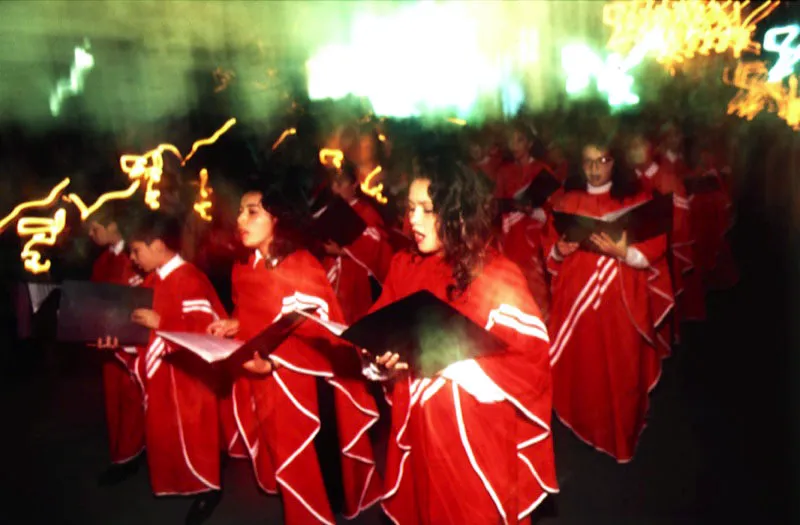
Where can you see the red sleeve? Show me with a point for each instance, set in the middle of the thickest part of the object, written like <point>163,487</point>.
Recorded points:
<point>198,304</point>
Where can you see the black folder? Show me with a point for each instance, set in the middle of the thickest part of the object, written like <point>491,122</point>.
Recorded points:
<point>89,311</point>
<point>534,196</point>
<point>704,184</point>
<point>425,331</point>
<point>337,221</point>
<point>642,222</point>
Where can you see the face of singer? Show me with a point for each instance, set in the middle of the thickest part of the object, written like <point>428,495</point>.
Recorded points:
<point>102,235</point>
<point>520,146</point>
<point>597,165</point>
<point>422,217</point>
<point>148,257</point>
<point>256,225</point>
<point>639,151</point>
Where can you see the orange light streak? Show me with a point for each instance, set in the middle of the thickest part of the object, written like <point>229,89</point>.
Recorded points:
<point>206,142</point>
<point>43,231</point>
<point>203,203</point>
<point>374,191</point>
<point>286,133</point>
<point>336,156</point>
<point>680,30</point>
<point>111,195</point>
<point>757,94</point>
<point>41,203</point>
<point>457,121</point>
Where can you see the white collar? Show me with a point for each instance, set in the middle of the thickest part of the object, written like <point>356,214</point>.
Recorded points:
<point>484,160</point>
<point>599,190</point>
<point>170,266</point>
<point>671,155</point>
<point>353,201</point>
<point>118,247</point>
<point>260,257</point>
<point>649,172</point>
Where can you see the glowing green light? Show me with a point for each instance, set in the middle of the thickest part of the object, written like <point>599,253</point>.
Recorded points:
<point>73,85</point>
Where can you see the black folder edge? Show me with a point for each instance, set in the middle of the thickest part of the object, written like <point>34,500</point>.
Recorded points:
<point>142,334</point>
<point>563,221</point>
<point>351,217</point>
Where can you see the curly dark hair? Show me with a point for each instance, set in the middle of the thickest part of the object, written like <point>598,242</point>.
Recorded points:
<point>624,182</point>
<point>462,202</point>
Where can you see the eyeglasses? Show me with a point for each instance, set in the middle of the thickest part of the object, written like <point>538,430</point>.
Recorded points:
<point>602,161</point>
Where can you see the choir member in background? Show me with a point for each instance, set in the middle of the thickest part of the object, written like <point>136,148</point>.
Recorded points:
<point>521,229</point>
<point>350,268</point>
<point>671,149</point>
<point>181,413</point>
<point>473,443</point>
<point>608,303</point>
<point>124,397</point>
<point>687,284</point>
<point>479,145</point>
<point>712,216</point>
<point>275,399</point>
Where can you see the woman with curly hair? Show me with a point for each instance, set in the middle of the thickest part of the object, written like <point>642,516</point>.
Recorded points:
<point>275,400</point>
<point>609,298</point>
<point>471,444</point>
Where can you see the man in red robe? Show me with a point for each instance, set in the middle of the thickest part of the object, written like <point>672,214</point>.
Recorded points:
<point>124,398</point>
<point>687,286</point>
<point>181,411</point>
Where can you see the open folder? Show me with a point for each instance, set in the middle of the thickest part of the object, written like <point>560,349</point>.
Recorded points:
<point>337,221</point>
<point>534,195</point>
<point>428,333</point>
<point>89,311</point>
<point>642,221</point>
<point>213,349</point>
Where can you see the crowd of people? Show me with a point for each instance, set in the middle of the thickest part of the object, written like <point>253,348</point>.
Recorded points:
<point>586,323</point>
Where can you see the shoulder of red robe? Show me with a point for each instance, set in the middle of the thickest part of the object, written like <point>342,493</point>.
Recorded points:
<point>301,301</point>
<point>517,320</point>
<point>199,305</point>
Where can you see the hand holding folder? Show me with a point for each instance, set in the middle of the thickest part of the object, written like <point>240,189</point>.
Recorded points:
<point>426,332</point>
<point>641,221</point>
<point>216,350</point>
<point>535,195</point>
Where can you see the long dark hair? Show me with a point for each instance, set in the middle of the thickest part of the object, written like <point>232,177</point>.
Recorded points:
<point>462,202</point>
<point>624,182</point>
<point>285,201</point>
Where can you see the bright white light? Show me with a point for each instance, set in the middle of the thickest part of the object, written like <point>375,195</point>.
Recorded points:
<point>422,59</point>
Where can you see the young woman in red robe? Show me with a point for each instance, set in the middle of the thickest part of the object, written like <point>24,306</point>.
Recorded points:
<point>608,304</point>
<point>181,411</point>
<point>275,400</point>
<point>124,398</point>
<point>351,267</point>
<point>521,230</point>
<point>471,444</point>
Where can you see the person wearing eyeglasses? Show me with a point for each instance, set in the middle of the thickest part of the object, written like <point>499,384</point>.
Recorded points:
<point>608,297</point>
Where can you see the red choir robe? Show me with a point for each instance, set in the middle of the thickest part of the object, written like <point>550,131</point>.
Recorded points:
<point>605,317</point>
<point>124,398</point>
<point>711,219</point>
<point>489,165</point>
<point>473,444</point>
<point>521,233</point>
<point>181,412</point>
<point>277,415</point>
<point>687,286</point>
<point>350,272</point>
